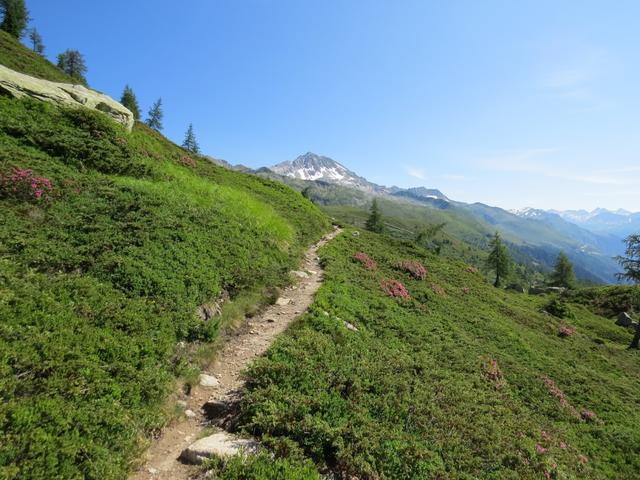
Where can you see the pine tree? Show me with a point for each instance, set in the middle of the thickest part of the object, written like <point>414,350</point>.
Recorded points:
<point>15,17</point>
<point>499,259</point>
<point>154,119</point>
<point>374,222</point>
<point>190,144</point>
<point>72,63</point>
<point>563,275</point>
<point>36,41</point>
<point>631,261</point>
<point>130,101</point>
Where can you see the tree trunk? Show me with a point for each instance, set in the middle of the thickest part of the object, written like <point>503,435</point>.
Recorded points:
<point>636,338</point>
<point>497,282</point>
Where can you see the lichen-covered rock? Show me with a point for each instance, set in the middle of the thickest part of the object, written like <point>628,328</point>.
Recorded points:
<point>20,85</point>
<point>221,444</point>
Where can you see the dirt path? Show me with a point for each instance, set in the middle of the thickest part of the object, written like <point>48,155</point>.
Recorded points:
<point>252,340</point>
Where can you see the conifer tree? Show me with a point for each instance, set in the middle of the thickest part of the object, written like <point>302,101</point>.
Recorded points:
<point>15,17</point>
<point>563,275</point>
<point>499,259</point>
<point>630,262</point>
<point>374,222</point>
<point>72,63</point>
<point>190,144</point>
<point>130,101</point>
<point>154,119</point>
<point>36,41</point>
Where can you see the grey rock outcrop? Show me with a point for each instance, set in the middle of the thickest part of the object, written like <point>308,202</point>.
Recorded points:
<point>624,320</point>
<point>221,444</point>
<point>20,85</point>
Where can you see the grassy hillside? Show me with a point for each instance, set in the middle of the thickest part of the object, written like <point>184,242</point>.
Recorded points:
<point>17,57</point>
<point>108,242</point>
<point>457,381</point>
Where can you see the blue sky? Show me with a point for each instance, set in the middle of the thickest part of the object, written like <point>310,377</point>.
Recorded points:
<point>510,103</point>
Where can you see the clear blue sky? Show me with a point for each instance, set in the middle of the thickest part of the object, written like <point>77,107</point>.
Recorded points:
<point>511,103</point>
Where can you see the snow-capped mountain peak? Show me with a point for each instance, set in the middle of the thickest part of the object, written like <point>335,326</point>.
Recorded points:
<point>311,166</point>
<point>528,212</point>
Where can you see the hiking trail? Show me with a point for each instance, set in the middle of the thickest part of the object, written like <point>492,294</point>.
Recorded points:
<point>161,461</point>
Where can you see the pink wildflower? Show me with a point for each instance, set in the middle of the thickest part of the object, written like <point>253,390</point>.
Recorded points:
<point>493,373</point>
<point>368,262</point>
<point>563,445</point>
<point>414,268</point>
<point>466,290</point>
<point>540,449</point>
<point>566,331</point>
<point>588,415</point>
<point>393,288</point>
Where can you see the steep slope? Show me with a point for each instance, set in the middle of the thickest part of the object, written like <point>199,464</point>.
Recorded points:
<point>457,380</point>
<point>109,241</point>
<point>15,56</point>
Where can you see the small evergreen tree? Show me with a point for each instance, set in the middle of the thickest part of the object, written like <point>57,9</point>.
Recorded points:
<point>36,41</point>
<point>154,119</point>
<point>630,262</point>
<point>190,144</point>
<point>72,63</point>
<point>374,222</point>
<point>15,17</point>
<point>563,275</point>
<point>306,192</point>
<point>499,259</point>
<point>130,101</point>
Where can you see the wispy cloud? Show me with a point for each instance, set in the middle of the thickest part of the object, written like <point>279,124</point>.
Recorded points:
<point>576,78</point>
<point>416,172</point>
<point>545,162</point>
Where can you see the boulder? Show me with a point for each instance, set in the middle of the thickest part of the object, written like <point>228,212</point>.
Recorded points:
<point>300,274</point>
<point>515,287</point>
<point>350,326</point>
<point>282,301</point>
<point>624,320</point>
<point>543,290</point>
<point>20,85</point>
<point>221,444</point>
<point>208,380</point>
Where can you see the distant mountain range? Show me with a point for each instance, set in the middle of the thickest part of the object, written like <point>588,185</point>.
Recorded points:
<point>619,222</point>
<point>591,239</point>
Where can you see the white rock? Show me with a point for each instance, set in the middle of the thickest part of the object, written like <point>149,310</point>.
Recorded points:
<point>152,471</point>
<point>66,94</point>
<point>190,414</point>
<point>282,301</point>
<point>350,326</point>
<point>221,444</point>
<point>300,274</point>
<point>208,380</point>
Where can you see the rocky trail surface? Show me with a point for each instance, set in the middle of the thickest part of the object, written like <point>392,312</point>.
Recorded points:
<point>183,443</point>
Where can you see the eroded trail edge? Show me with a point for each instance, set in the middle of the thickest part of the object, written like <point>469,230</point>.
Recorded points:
<point>241,348</point>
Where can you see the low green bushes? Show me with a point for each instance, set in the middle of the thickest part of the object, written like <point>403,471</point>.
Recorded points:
<point>101,278</point>
<point>459,381</point>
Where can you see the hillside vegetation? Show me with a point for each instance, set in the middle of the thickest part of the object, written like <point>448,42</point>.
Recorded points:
<point>108,243</point>
<point>446,377</point>
<point>15,56</point>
